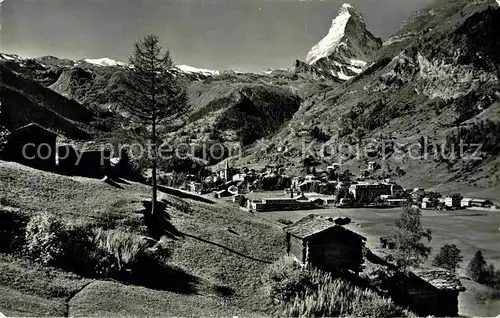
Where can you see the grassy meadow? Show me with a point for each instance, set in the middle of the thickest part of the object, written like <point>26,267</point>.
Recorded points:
<point>213,254</point>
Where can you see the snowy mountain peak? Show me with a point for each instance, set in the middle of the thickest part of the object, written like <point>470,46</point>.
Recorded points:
<point>337,31</point>
<point>191,70</point>
<point>347,46</point>
<point>346,8</point>
<point>10,57</point>
<point>104,62</point>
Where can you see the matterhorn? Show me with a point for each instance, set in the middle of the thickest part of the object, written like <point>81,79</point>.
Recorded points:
<point>348,46</point>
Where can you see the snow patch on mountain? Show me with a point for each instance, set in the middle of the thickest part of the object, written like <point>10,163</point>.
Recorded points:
<point>104,62</point>
<point>10,57</point>
<point>192,70</point>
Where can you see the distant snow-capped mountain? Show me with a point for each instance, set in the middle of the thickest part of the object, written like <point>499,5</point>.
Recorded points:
<point>105,62</point>
<point>190,70</point>
<point>347,47</point>
<point>10,57</point>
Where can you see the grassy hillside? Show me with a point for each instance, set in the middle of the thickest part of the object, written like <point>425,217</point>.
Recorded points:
<point>216,253</point>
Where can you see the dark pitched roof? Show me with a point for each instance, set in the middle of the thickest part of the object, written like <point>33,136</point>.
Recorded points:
<point>314,224</point>
<point>85,146</point>
<point>440,278</point>
<point>34,127</point>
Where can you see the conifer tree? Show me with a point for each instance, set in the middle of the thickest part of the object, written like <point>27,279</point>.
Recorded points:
<point>154,94</point>
<point>448,257</point>
<point>477,268</point>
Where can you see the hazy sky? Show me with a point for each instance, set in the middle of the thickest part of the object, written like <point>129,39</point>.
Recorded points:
<point>215,34</point>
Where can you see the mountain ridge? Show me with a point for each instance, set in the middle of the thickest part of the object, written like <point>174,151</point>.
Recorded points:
<point>437,73</point>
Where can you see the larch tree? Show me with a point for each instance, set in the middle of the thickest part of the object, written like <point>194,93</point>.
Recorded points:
<point>155,95</point>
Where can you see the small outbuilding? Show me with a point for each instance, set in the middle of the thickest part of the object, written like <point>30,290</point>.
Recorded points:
<point>32,145</point>
<point>87,159</point>
<point>322,243</point>
<point>481,203</point>
<point>222,194</point>
<point>433,291</point>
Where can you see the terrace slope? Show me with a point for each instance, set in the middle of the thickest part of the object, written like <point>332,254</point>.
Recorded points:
<point>217,252</point>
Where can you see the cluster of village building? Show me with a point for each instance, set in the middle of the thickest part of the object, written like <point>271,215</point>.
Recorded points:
<point>36,146</point>
<point>322,242</point>
<point>321,189</point>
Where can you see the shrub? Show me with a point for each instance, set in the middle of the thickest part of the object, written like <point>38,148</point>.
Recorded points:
<point>242,201</point>
<point>487,296</point>
<point>318,134</point>
<point>284,279</point>
<point>4,134</point>
<point>339,298</point>
<point>122,250</point>
<point>44,239</point>
<point>308,292</point>
<point>79,253</point>
<point>3,200</point>
<point>79,248</point>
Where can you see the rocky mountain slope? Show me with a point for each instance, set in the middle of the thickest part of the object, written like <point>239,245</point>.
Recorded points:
<point>437,78</point>
<point>24,101</point>
<point>225,107</point>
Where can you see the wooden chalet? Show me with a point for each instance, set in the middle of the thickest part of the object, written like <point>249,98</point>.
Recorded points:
<point>32,145</point>
<point>325,244</point>
<point>433,291</point>
<point>87,159</point>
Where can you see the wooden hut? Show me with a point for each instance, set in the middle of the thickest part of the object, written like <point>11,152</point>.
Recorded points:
<point>87,159</point>
<point>433,291</point>
<point>322,243</point>
<point>32,145</point>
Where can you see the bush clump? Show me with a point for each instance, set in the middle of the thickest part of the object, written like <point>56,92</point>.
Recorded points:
<point>309,292</point>
<point>123,250</point>
<point>81,249</point>
<point>44,240</point>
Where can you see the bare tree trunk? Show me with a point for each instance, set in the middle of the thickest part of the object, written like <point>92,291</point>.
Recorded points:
<point>153,139</point>
<point>155,190</point>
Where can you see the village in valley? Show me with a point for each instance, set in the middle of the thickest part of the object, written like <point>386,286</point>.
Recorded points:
<point>321,212</point>
<point>332,187</point>
<point>362,181</point>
